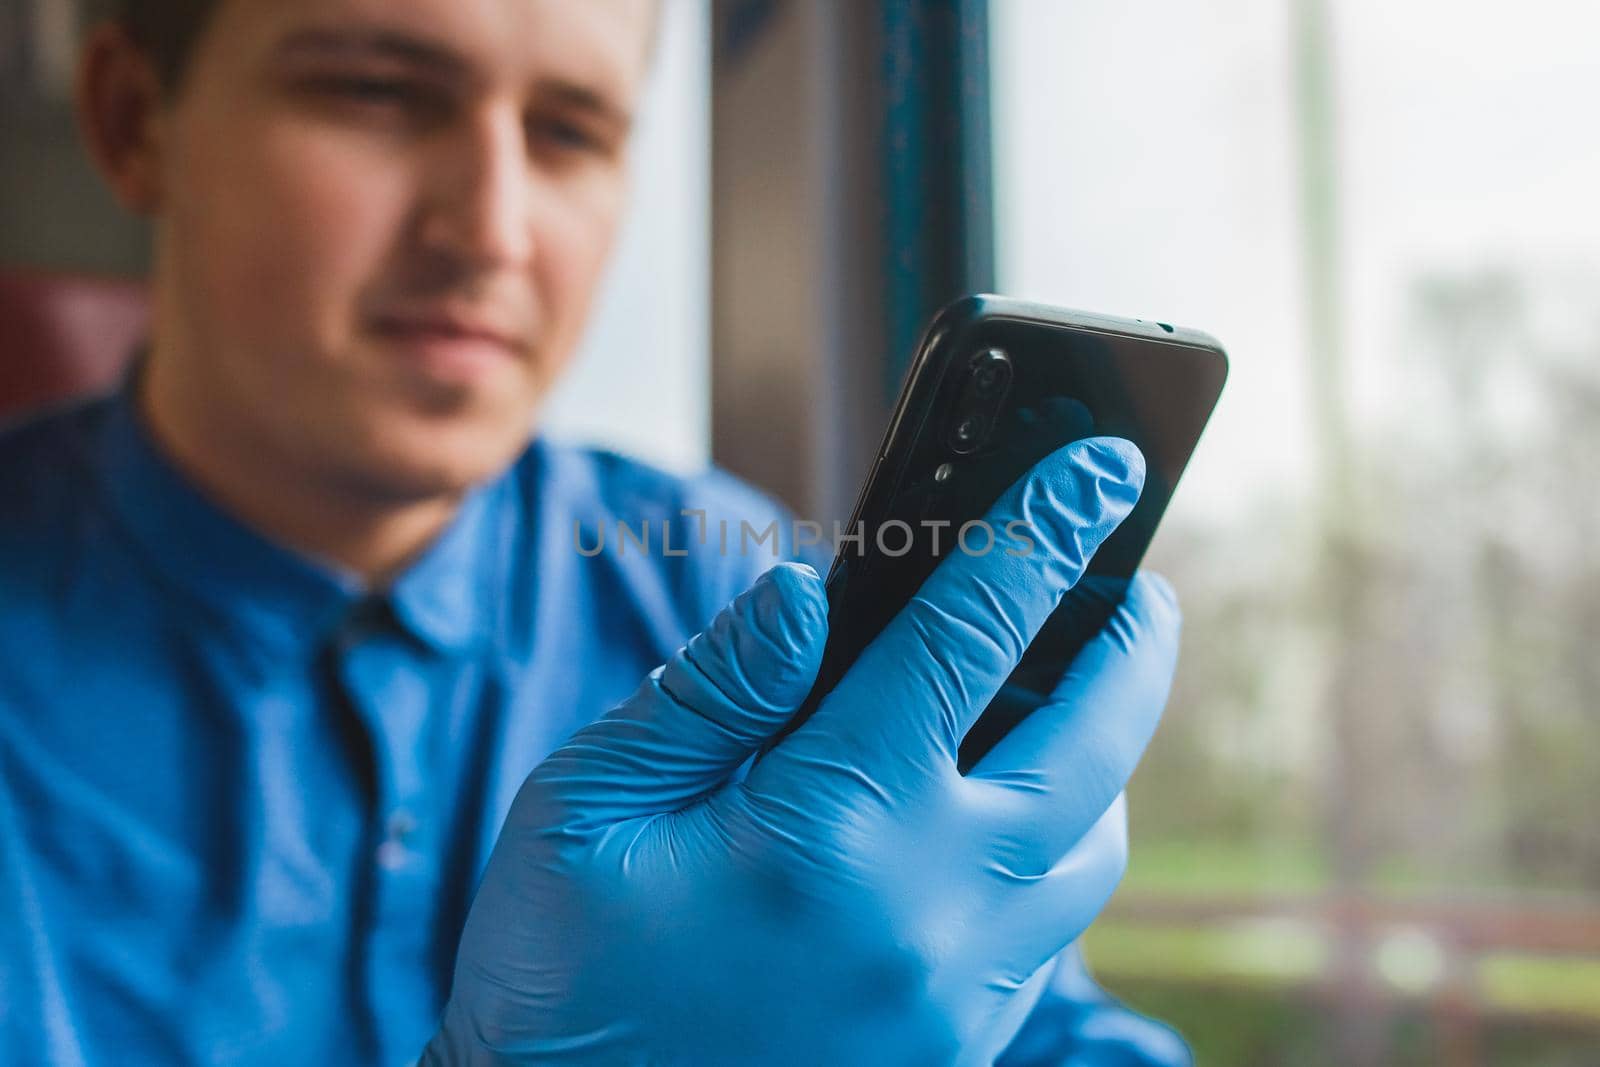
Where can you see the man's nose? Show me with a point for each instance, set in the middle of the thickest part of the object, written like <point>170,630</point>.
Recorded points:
<point>481,197</point>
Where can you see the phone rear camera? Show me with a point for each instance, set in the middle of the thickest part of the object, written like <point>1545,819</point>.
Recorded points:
<point>991,372</point>
<point>983,393</point>
<point>969,430</point>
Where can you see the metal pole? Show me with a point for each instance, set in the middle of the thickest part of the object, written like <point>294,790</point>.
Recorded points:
<point>1339,582</point>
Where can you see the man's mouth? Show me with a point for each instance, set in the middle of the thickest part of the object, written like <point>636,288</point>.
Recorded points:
<point>445,325</point>
<point>447,346</point>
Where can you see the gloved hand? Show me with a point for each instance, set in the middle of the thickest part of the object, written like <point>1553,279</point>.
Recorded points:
<point>1078,1024</point>
<point>854,899</point>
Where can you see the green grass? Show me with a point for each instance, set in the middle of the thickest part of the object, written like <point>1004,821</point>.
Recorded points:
<point>1268,952</point>
<point>1234,1028</point>
<point>1242,992</point>
<point>1201,866</point>
<point>1198,867</point>
<point>1281,955</point>
<point>1541,984</point>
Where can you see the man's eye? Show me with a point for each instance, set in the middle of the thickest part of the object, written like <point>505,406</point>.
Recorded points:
<point>566,135</point>
<point>394,94</point>
<point>378,90</point>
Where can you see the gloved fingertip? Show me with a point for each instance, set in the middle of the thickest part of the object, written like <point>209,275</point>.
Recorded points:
<point>1156,584</point>
<point>1150,608</point>
<point>1078,495</point>
<point>788,605</point>
<point>765,649</point>
<point>804,568</point>
<point>1116,463</point>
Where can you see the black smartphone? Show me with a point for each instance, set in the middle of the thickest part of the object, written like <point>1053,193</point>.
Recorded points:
<point>995,386</point>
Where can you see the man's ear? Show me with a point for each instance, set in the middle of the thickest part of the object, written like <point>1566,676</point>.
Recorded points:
<point>120,101</point>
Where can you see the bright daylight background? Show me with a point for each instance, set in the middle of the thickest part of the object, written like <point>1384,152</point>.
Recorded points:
<point>642,383</point>
<point>1369,832</point>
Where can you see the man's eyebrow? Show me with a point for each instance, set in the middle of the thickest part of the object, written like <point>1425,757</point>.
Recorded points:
<point>395,45</point>
<point>580,96</point>
<point>375,43</point>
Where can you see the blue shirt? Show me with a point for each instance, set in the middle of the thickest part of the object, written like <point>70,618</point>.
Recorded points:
<point>244,802</point>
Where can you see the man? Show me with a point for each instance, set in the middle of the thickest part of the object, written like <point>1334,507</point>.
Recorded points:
<point>291,617</point>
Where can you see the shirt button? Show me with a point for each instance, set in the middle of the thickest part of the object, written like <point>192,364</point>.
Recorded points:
<point>392,851</point>
<point>402,824</point>
<point>392,855</point>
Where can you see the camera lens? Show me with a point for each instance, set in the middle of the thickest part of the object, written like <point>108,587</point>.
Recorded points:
<point>986,381</point>
<point>990,372</point>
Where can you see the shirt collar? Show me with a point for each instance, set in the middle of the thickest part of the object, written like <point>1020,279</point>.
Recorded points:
<point>447,598</point>
<point>277,595</point>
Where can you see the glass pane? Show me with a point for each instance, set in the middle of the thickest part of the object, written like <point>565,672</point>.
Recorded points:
<point>1386,544</point>
<point>642,382</point>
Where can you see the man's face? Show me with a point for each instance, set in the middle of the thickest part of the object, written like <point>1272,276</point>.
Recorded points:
<point>382,223</point>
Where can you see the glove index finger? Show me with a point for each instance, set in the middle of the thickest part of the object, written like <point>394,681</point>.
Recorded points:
<point>916,690</point>
<point>696,718</point>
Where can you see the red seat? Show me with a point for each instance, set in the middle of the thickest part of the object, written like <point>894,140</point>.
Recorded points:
<point>65,335</point>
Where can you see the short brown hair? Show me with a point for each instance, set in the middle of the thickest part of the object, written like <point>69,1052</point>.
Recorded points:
<point>167,30</point>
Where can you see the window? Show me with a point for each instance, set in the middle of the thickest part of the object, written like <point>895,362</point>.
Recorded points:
<point>642,381</point>
<point>1375,784</point>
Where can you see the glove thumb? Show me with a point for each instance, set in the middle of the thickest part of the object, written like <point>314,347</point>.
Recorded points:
<point>695,719</point>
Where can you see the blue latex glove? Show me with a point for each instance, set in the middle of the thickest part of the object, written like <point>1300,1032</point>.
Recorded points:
<point>854,899</point>
<point>1078,1024</point>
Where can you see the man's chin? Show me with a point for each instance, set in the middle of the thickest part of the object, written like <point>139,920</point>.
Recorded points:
<point>414,468</point>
